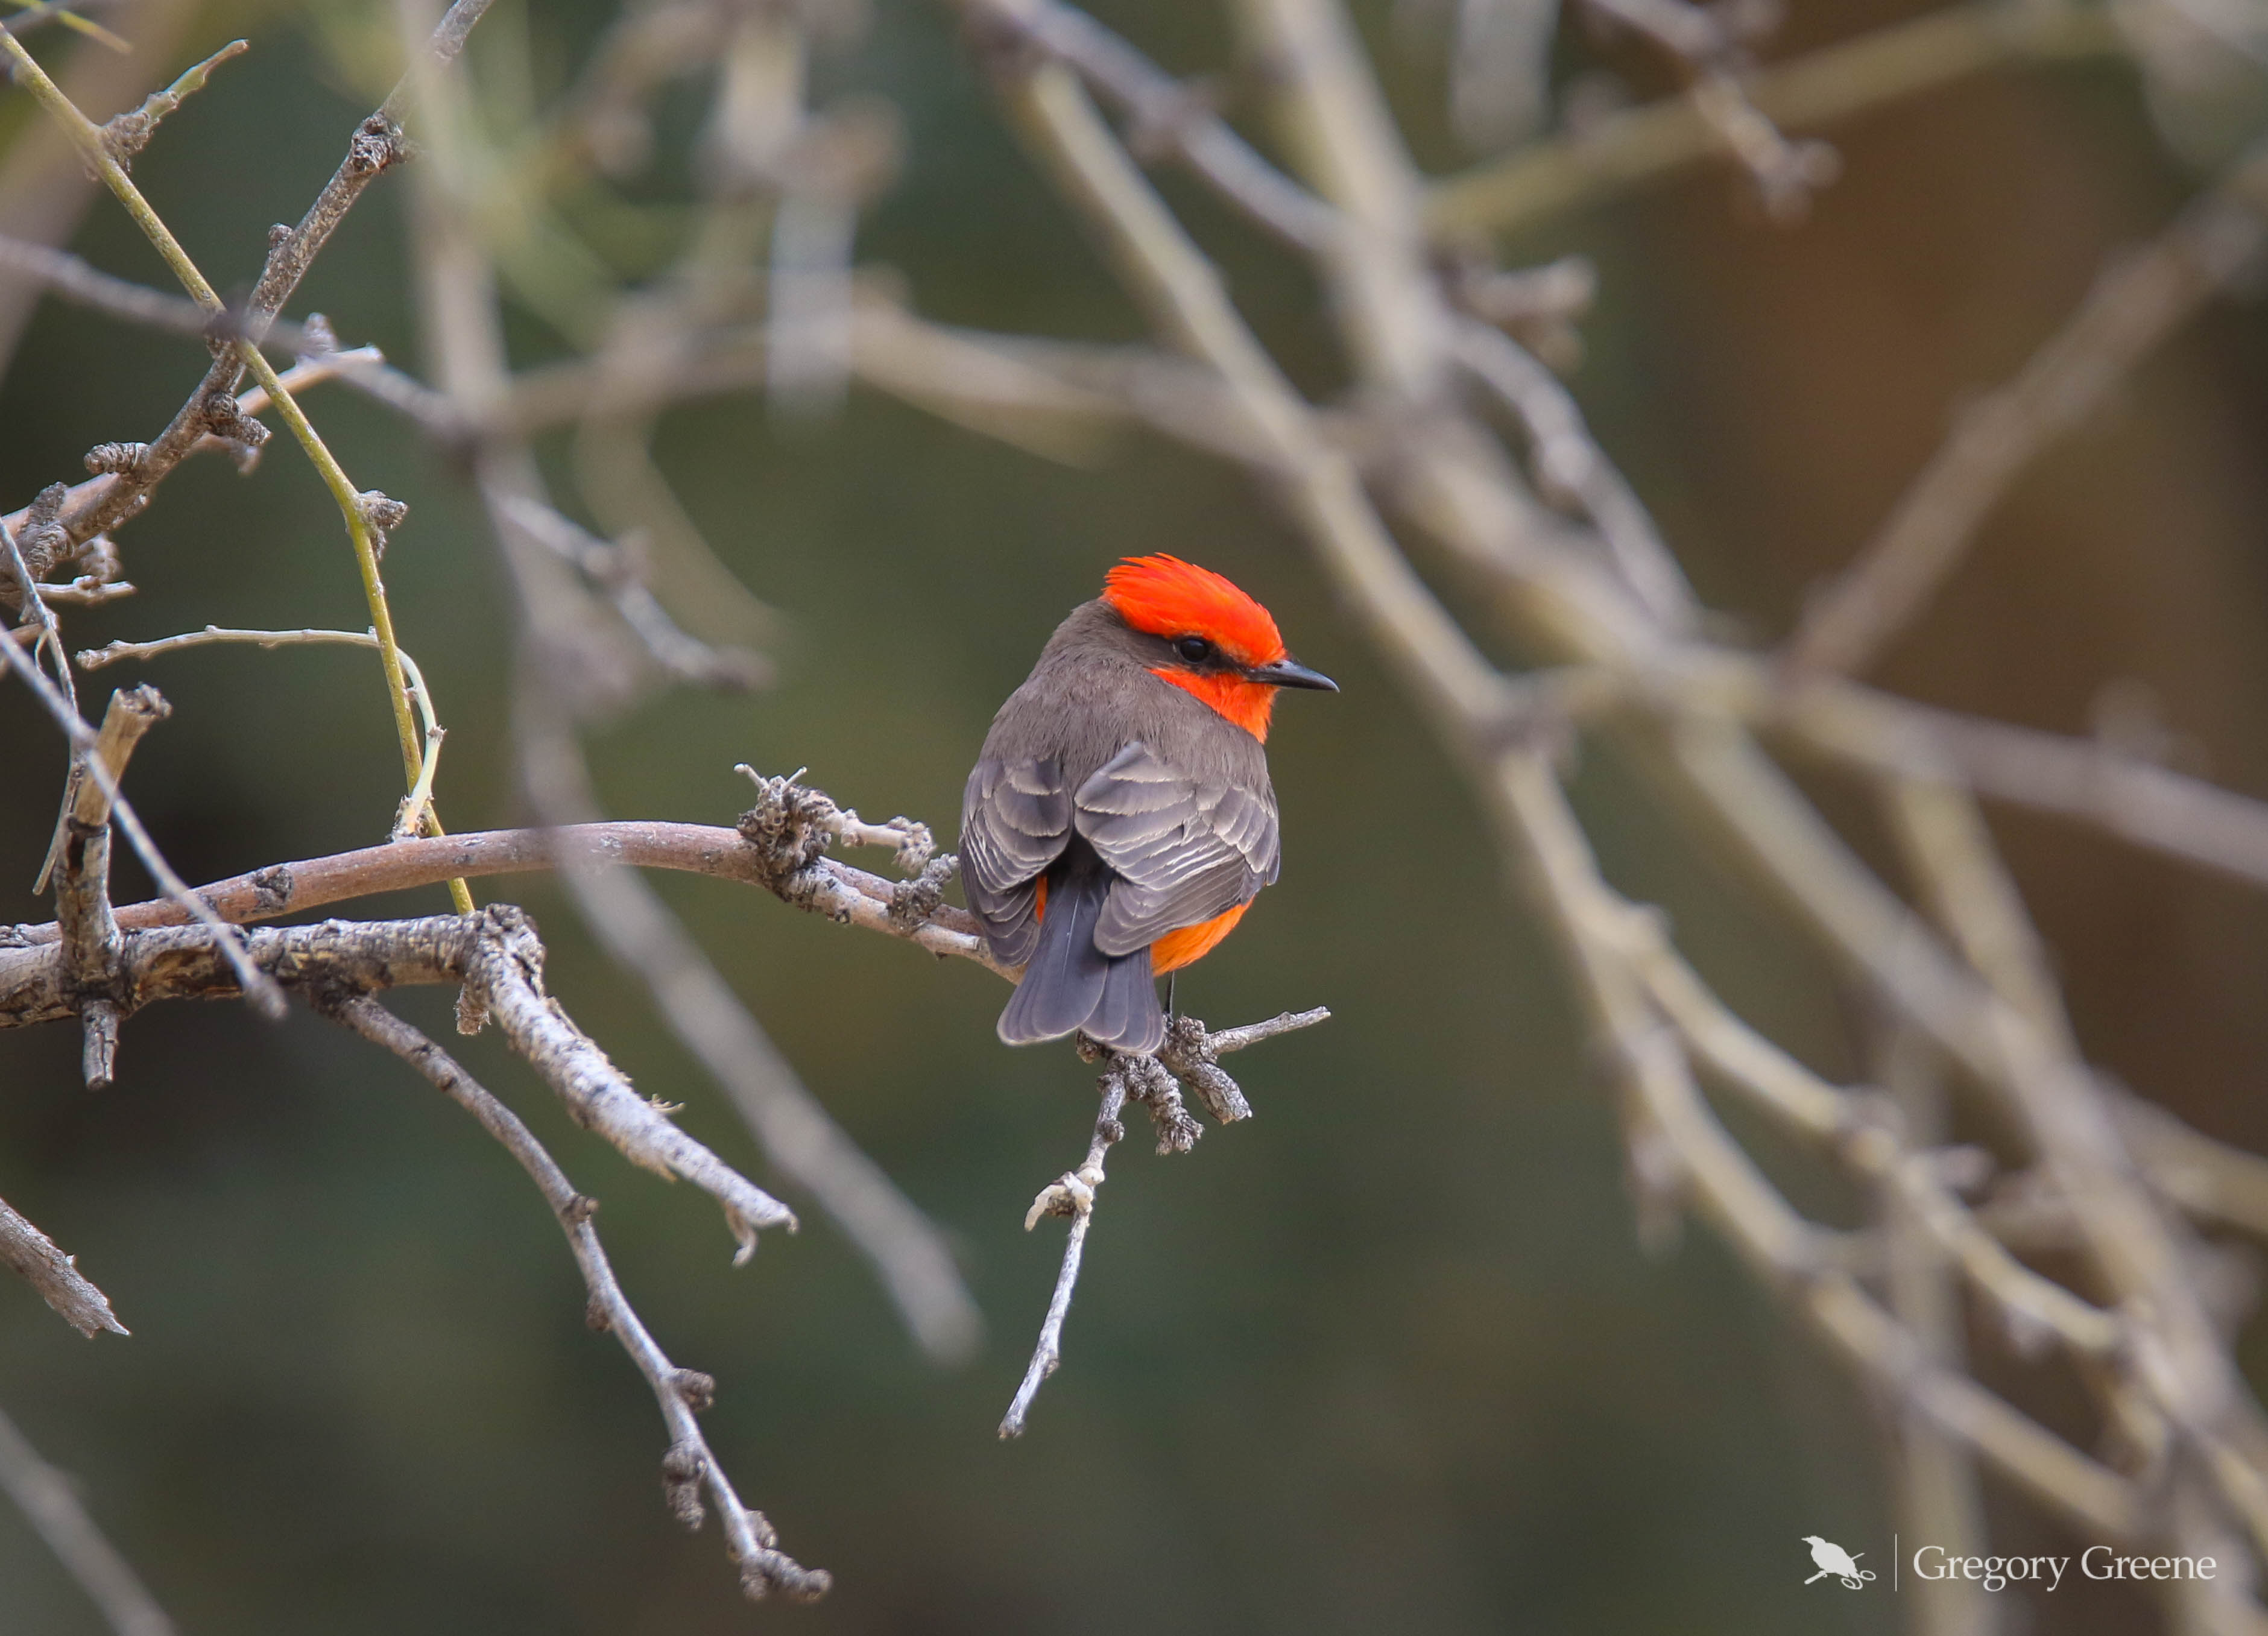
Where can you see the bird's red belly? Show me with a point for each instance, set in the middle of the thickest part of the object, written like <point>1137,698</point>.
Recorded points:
<point>1175,949</point>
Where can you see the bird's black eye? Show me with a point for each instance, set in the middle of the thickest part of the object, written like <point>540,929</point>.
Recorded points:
<point>1197,650</point>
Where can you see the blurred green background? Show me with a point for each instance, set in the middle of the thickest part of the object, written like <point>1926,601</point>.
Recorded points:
<point>1387,1358</point>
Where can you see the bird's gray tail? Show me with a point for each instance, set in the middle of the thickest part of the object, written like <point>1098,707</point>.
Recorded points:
<point>1069,985</point>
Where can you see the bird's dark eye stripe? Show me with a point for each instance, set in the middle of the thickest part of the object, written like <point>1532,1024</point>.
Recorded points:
<point>1197,650</point>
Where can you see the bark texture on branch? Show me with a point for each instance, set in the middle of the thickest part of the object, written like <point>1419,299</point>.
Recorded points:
<point>32,1257</point>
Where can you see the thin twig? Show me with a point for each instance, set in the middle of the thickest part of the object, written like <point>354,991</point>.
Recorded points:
<point>56,12</point>
<point>1071,1194</point>
<point>1838,82</point>
<point>355,506</point>
<point>127,134</point>
<point>2140,299</point>
<point>1190,1058</point>
<point>614,568</point>
<point>1569,463</point>
<point>32,1257</point>
<point>73,20</point>
<point>503,973</point>
<point>259,988</point>
<point>32,597</point>
<point>2213,1180</point>
<point>411,815</point>
<point>2137,801</point>
<point>1169,115</point>
<point>1702,42</point>
<point>690,1465</point>
<point>65,274</point>
<point>51,1502</point>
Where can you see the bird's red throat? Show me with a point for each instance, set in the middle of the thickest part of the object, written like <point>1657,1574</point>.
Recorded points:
<point>1247,703</point>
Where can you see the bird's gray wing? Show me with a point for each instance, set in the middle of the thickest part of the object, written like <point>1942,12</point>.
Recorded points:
<point>1184,850</point>
<point>1015,821</point>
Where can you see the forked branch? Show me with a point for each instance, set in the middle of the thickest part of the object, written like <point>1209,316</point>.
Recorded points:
<point>689,1466</point>
<point>1189,1059</point>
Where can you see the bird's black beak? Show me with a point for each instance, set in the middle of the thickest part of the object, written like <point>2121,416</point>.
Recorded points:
<point>1285,673</point>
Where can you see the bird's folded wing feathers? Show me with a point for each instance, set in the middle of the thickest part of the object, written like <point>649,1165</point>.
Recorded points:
<point>1015,821</point>
<point>1184,850</point>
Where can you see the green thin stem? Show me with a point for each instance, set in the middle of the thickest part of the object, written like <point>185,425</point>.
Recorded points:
<point>89,139</point>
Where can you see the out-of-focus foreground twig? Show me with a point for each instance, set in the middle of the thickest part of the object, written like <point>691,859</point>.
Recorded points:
<point>48,1498</point>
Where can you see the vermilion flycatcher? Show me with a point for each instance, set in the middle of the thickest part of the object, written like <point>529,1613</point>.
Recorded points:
<point>1120,820</point>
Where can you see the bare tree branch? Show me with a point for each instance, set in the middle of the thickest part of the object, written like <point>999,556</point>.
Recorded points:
<point>1071,1194</point>
<point>690,1466</point>
<point>182,962</point>
<point>257,986</point>
<point>1168,115</point>
<point>63,274</point>
<point>2137,801</point>
<point>90,938</point>
<point>504,974</point>
<point>32,1257</point>
<point>2140,299</point>
<point>1568,462</point>
<point>495,955</point>
<point>1709,44</point>
<point>1835,82</point>
<point>377,144</point>
<point>1725,1183</point>
<point>629,920</point>
<point>1190,1058</point>
<point>824,886</point>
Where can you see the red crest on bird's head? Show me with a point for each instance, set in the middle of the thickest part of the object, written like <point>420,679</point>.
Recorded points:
<point>1164,596</point>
